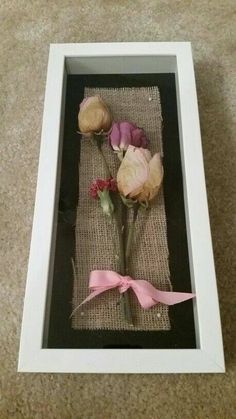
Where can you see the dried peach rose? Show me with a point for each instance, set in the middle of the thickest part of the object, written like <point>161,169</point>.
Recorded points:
<point>94,116</point>
<point>140,175</point>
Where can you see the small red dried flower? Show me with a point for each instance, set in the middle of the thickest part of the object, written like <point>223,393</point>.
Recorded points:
<point>101,185</point>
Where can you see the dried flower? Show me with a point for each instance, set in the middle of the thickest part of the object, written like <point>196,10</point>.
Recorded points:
<point>140,175</point>
<point>100,189</point>
<point>126,133</point>
<point>99,185</point>
<point>94,116</point>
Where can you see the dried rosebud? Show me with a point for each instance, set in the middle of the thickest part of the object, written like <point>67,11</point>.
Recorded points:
<point>140,175</point>
<point>100,189</point>
<point>94,116</point>
<point>126,133</point>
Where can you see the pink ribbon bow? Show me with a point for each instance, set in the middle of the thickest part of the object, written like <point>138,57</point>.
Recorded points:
<point>147,294</point>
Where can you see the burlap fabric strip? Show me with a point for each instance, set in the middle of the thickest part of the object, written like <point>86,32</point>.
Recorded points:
<point>94,244</point>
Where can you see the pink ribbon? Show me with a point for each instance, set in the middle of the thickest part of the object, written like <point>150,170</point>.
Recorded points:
<point>147,294</point>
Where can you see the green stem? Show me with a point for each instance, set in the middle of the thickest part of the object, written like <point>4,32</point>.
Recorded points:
<point>108,172</point>
<point>130,235</point>
<point>124,299</point>
<point>125,304</point>
<point>127,253</point>
<point>98,141</point>
<point>114,242</point>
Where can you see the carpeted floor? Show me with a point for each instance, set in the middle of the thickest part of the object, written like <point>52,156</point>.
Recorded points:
<point>26,29</point>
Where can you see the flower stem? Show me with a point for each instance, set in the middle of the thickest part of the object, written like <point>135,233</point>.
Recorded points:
<point>131,234</point>
<point>124,299</point>
<point>125,305</point>
<point>114,242</point>
<point>98,141</point>
<point>104,161</point>
<point>125,251</point>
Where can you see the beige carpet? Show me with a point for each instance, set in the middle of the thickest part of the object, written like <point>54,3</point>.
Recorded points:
<point>26,29</point>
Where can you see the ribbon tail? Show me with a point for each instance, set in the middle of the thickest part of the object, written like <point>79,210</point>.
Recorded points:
<point>148,295</point>
<point>170,298</point>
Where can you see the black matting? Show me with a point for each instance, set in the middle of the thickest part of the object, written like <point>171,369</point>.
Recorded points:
<point>61,334</point>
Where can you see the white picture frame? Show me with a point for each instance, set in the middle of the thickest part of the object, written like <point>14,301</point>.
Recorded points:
<point>97,58</point>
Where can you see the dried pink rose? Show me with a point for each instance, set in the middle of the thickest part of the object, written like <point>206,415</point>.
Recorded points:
<point>126,133</point>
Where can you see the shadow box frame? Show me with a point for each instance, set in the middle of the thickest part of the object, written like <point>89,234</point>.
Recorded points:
<point>121,58</point>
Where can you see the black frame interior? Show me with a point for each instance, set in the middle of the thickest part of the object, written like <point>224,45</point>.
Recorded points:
<point>60,332</point>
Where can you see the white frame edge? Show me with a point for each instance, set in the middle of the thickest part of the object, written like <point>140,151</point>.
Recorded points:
<point>209,357</point>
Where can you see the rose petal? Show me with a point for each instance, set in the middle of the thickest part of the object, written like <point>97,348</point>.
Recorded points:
<point>114,137</point>
<point>86,99</point>
<point>152,185</point>
<point>94,116</point>
<point>144,141</point>
<point>136,137</point>
<point>133,171</point>
<point>150,188</point>
<point>146,154</point>
<point>125,132</point>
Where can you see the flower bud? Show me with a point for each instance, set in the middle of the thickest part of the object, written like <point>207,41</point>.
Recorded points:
<point>94,116</point>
